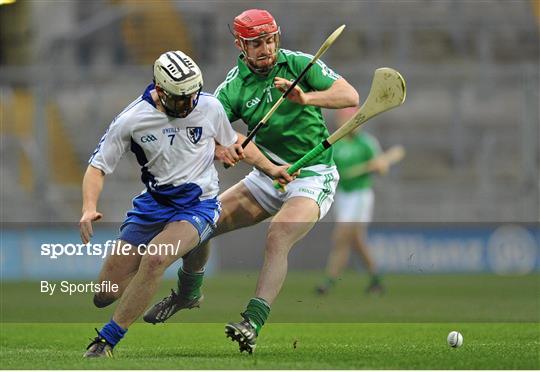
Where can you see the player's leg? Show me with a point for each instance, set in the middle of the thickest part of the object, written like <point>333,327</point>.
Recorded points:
<point>359,233</point>
<point>182,236</point>
<point>238,209</point>
<point>188,294</point>
<point>289,225</point>
<point>176,239</point>
<point>360,246</point>
<point>190,276</point>
<point>305,201</point>
<point>338,256</point>
<point>118,269</point>
<point>364,199</point>
<point>295,219</point>
<point>345,209</point>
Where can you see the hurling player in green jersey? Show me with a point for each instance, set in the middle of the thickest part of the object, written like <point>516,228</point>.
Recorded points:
<point>250,89</point>
<point>353,207</point>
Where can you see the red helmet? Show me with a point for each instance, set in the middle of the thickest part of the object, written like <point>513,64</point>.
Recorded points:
<point>254,23</point>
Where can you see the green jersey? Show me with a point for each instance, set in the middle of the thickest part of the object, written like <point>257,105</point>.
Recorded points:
<point>293,130</point>
<point>349,152</point>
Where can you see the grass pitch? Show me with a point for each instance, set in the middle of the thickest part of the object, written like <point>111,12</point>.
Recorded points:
<point>280,346</point>
<point>404,329</point>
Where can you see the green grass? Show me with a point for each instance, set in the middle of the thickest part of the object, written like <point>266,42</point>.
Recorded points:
<point>409,298</point>
<point>404,329</point>
<point>318,346</point>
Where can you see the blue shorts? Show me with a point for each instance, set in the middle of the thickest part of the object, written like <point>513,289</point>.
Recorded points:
<point>148,218</point>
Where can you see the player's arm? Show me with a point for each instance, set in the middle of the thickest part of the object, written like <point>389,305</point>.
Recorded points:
<point>110,149</point>
<point>255,157</point>
<point>382,162</point>
<point>378,164</point>
<point>251,154</point>
<point>340,94</point>
<point>91,189</point>
<point>224,156</point>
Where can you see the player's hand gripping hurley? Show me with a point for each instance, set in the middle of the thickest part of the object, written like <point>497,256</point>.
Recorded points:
<point>388,90</point>
<point>328,42</point>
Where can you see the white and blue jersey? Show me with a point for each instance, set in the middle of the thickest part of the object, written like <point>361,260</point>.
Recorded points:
<point>176,156</point>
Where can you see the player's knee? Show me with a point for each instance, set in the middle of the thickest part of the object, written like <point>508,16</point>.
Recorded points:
<point>154,263</point>
<point>341,239</point>
<point>102,299</point>
<point>111,266</point>
<point>344,231</point>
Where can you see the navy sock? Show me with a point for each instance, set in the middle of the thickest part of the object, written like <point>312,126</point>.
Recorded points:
<point>112,332</point>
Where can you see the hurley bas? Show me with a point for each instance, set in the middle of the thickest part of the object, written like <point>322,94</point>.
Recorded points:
<point>72,288</point>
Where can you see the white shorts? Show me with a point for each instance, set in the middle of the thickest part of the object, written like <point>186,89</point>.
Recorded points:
<point>354,206</point>
<point>319,188</point>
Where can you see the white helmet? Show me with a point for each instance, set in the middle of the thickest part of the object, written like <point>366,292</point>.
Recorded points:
<point>181,81</point>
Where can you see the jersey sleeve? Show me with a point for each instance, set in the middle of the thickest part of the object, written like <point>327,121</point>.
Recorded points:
<point>224,94</point>
<point>225,134</point>
<point>319,76</point>
<point>373,145</point>
<point>114,143</point>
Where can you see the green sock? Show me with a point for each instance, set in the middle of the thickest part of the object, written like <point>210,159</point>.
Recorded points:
<point>257,311</point>
<point>189,284</point>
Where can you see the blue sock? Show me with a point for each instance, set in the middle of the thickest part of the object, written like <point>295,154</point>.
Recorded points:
<point>112,332</point>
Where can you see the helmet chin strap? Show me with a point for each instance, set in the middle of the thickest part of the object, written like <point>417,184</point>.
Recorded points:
<point>249,61</point>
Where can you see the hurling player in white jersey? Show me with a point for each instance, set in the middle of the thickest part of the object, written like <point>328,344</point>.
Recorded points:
<point>172,129</point>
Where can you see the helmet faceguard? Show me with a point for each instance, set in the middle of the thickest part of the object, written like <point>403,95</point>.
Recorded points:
<point>249,27</point>
<point>178,106</point>
<point>179,81</point>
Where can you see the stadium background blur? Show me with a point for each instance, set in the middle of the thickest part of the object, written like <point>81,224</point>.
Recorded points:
<point>465,200</point>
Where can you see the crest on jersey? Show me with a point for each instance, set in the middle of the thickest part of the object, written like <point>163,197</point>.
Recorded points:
<point>194,134</point>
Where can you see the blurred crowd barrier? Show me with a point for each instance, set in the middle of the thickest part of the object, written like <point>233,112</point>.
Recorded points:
<point>48,252</point>
<point>470,124</point>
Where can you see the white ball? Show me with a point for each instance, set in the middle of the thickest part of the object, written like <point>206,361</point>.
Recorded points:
<point>455,339</point>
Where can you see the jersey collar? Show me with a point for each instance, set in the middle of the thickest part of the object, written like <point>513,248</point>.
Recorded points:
<point>147,96</point>
<point>246,74</point>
